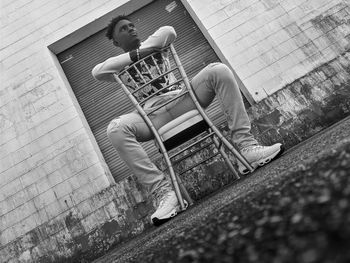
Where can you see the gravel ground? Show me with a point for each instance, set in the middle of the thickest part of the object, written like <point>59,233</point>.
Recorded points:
<point>296,209</point>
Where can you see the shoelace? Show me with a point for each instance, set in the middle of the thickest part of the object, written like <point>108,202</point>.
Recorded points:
<point>252,148</point>
<point>161,196</point>
<point>163,200</point>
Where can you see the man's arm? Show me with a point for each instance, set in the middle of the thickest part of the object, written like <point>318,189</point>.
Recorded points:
<point>104,70</point>
<point>163,37</point>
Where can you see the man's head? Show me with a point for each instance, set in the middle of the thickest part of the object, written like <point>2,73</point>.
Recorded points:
<point>123,33</point>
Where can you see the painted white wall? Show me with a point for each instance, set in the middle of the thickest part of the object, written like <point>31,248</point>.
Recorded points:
<point>48,159</point>
<point>271,43</point>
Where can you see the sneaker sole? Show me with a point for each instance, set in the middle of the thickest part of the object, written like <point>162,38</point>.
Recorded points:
<point>159,221</point>
<point>264,161</point>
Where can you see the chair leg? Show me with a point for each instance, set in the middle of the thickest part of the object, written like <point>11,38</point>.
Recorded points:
<point>184,191</point>
<point>233,150</point>
<point>174,180</point>
<point>182,188</point>
<point>226,158</point>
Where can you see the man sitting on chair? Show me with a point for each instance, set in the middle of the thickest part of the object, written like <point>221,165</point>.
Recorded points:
<point>127,131</point>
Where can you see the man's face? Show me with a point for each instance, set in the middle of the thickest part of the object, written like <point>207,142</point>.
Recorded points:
<point>125,35</point>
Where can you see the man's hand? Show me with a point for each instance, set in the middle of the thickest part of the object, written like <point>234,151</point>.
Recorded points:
<point>138,54</point>
<point>147,51</point>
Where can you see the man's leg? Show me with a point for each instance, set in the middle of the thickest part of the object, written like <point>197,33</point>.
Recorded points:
<point>217,80</point>
<point>125,133</point>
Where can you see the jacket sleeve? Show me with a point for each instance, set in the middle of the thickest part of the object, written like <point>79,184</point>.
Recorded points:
<point>104,70</point>
<point>164,36</point>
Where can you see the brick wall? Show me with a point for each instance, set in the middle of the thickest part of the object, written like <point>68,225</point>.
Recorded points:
<point>270,43</point>
<point>55,188</point>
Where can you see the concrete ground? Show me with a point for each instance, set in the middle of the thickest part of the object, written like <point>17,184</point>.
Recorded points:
<point>295,209</point>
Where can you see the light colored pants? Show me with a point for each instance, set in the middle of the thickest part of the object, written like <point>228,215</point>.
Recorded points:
<point>126,131</point>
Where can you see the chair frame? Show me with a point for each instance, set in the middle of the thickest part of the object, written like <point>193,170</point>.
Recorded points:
<point>219,140</point>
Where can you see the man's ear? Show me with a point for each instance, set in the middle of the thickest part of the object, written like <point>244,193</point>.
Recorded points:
<point>115,43</point>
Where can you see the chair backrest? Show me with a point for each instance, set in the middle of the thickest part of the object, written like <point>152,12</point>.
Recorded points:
<point>153,75</point>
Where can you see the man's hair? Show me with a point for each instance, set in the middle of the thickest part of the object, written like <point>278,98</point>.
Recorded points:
<point>112,23</point>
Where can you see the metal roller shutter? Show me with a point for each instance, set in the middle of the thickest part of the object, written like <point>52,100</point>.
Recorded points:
<point>101,102</point>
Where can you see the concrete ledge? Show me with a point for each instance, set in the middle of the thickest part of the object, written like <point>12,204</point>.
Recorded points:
<point>306,106</point>
<point>86,230</point>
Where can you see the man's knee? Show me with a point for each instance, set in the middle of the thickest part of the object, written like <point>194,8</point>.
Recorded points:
<point>117,129</point>
<point>220,70</point>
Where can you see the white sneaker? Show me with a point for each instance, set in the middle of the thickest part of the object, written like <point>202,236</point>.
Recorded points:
<point>168,207</point>
<point>258,155</point>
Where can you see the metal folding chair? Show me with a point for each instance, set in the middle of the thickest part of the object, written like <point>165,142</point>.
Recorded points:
<point>181,129</point>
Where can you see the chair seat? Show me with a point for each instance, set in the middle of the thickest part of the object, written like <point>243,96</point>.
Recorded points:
<point>179,124</point>
<point>182,129</point>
